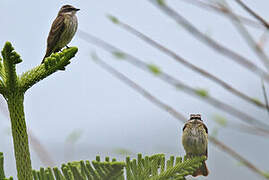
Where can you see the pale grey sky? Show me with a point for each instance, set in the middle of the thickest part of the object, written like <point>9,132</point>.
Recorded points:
<point>110,114</point>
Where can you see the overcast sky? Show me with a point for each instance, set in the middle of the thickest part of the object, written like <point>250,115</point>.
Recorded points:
<point>111,115</point>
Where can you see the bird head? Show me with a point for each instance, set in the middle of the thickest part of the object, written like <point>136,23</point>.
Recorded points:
<point>68,9</point>
<point>195,121</point>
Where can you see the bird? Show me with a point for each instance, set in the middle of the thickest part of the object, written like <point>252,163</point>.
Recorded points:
<point>195,141</point>
<point>62,30</point>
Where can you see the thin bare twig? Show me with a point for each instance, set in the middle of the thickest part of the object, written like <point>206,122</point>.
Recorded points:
<point>217,9</point>
<point>187,63</point>
<point>263,40</point>
<point>240,127</point>
<point>245,34</point>
<point>248,129</point>
<point>139,89</point>
<point>253,13</point>
<point>176,114</point>
<point>265,95</point>
<point>211,42</point>
<point>40,150</point>
<point>237,156</point>
<point>174,82</point>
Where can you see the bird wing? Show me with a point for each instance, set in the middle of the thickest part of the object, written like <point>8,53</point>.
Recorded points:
<point>184,127</point>
<point>206,130</point>
<point>55,33</point>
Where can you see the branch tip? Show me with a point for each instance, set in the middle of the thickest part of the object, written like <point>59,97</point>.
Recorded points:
<point>113,19</point>
<point>10,55</point>
<point>161,2</point>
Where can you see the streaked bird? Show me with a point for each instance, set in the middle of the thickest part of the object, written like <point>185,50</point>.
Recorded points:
<point>62,30</point>
<point>195,141</point>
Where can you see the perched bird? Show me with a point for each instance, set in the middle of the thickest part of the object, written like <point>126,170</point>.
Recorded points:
<point>195,140</point>
<point>62,30</point>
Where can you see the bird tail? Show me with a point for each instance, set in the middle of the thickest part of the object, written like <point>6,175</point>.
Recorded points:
<point>201,171</point>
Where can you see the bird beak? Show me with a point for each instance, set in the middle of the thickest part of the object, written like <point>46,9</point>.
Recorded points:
<point>77,9</point>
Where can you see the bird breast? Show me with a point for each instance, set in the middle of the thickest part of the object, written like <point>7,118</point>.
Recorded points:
<point>71,24</point>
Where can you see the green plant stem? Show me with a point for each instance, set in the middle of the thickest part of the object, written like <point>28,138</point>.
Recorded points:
<point>20,137</point>
<point>13,87</point>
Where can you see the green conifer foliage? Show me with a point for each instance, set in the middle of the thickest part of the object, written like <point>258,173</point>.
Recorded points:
<point>153,167</point>
<point>13,87</point>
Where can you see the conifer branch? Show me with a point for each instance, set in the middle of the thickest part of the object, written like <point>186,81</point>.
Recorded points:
<point>153,167</point>
<point>180,169</point>
<point>83,170</point>
<point>2,77</point>
<point>13,87</point>
<point>52,64</point>
<point>10,59</point>
<point>2,172</point>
